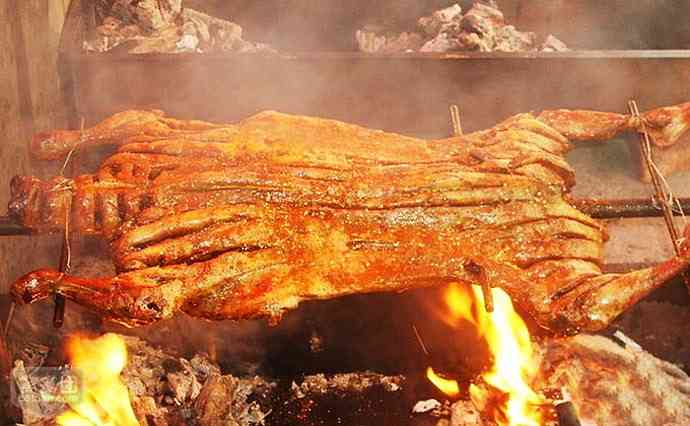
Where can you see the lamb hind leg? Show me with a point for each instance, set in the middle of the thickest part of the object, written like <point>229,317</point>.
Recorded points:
<point>595,303</point>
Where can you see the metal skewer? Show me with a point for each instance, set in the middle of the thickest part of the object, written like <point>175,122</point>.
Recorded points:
<point>8,320</point>
<point>660,193</point>
<point>474,268</point>
<point>455,120</point>
<point>64,268</point>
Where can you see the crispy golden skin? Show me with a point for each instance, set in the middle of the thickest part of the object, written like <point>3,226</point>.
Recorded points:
<point>248,220</point>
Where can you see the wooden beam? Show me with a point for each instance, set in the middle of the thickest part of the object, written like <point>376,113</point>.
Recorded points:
<point>22,65</point>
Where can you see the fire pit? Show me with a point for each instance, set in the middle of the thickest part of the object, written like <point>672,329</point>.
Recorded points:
<point>168,386</point>
<point>407,280</point>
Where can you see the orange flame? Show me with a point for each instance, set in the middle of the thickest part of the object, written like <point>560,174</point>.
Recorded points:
<point>447,386</point>
<point>509,343</point>
<point>104,400</point>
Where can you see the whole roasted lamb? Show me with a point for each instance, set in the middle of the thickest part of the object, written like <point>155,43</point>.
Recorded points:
<point>232,221</point>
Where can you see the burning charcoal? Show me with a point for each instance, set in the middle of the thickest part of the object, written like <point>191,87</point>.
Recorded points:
<point>151,15</point>
<point>184,383</point>
<point>483,20</point>
<point>108,35</point>
<point>442,43</point>
<point>203,367</point>
<point>163,26</point>
<point>612,385</point>
<point>224,400</point>
<point>163,41</point>
<point>351,398</point>
<point>148,412</point>
<point>473,42</point>
<point>439,20</point>
<point>482,28</point>
<point>189,40</point>
<point>27,398</point>
<point>347,383</point>
<point>508,39</point>
<point>463,413</point>
<point>213,33</point>
<point>199,22</point>
<point>33,354</point>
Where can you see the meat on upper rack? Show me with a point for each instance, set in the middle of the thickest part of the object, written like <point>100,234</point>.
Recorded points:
<point>247,220</point>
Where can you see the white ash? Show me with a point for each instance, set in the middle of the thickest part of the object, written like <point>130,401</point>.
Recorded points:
<point>425,406</point>
<point>482,28</point>
<point>320,384</point>
<point>440,21</point>
<point>509,39</point>
<point>463,413</point>
<point>613,385</point>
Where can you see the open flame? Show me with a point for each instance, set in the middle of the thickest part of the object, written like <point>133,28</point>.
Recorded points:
<point>104,398</point>
<point>509,343</point>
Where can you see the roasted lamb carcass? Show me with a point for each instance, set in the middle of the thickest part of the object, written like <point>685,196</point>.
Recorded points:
<point>248,220</point>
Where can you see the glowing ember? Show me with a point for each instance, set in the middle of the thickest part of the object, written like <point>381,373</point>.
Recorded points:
<point>509,343</point>
<point>104,400</point>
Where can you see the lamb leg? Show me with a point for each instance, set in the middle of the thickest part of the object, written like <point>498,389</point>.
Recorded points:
<point>119,129</point>
<point>582,125</point>
<point>145,296</point>
<point>595,303</point>
<point>667,126</point>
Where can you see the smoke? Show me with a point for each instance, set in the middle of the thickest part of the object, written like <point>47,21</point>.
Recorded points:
<point>409,96</point>
<point>597,25</point>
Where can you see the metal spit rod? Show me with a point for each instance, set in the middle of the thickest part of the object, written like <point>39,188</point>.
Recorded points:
<point>598,209</point>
